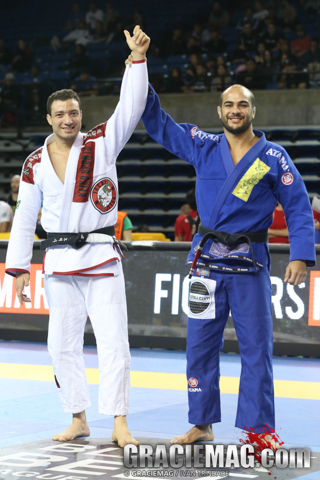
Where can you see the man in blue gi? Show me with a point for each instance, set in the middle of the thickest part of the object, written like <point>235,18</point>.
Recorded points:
<point>240,178</point>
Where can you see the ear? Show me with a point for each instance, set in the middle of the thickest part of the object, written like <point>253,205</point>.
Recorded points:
<point>219,111</point>
<point>49,119</point>
<point>254,112</point>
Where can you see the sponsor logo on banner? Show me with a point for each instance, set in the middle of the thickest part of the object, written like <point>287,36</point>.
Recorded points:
<point>314,299</point>
<point>9,302</point>
<point>287,178</point>
<point>104,195</point>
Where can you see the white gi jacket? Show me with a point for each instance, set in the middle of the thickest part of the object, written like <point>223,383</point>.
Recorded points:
<point>88,199</point>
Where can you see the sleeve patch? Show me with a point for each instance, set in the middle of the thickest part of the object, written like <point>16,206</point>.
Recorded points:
<point>96,132</point>
<point>31,161</point>
<point>287,178</point>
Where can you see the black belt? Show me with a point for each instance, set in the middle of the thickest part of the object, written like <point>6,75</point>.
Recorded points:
<point>228,239</point>
<point>231,239</point>
<point>75,240</point>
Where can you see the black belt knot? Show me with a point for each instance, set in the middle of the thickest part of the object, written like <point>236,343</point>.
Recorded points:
<point>230,240</point>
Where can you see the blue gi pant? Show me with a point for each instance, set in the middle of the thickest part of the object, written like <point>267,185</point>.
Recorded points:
<point>248,296</point>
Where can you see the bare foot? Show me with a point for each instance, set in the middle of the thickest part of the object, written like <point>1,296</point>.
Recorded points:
<point>121,433</point>
<point>78,428</point>
<point>201,433</point>
<point>266,441</point>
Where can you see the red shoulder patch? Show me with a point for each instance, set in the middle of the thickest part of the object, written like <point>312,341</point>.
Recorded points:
<point>96,132</point>
<point>30,162</point>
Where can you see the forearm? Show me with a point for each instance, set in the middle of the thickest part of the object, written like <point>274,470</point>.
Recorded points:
<point>279,233</point>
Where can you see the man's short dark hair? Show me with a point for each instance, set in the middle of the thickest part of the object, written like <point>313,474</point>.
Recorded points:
<point>62,95</point>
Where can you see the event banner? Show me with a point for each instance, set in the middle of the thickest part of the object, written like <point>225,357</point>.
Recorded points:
<point>157,288</point>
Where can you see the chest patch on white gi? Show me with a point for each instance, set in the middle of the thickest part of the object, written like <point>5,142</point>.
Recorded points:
<point>252,176</point>
<point>104,195</point>
<point>199,297</point>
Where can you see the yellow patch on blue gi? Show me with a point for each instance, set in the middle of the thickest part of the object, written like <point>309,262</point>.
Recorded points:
<point>252,176</point>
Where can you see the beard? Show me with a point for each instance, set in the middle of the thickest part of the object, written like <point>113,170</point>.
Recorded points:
<point>236,130</point>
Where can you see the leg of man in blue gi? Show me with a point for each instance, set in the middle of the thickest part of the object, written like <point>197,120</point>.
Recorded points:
<point>249,298</point>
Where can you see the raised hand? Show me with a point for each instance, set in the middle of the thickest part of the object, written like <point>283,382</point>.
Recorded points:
<point>138,43</point>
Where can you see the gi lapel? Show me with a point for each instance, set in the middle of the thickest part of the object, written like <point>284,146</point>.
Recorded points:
<point>237,182</point>
<point>69,182</point>
<point>49,171</point>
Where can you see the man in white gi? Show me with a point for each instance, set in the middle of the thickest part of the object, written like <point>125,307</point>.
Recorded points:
<point>74,176</point>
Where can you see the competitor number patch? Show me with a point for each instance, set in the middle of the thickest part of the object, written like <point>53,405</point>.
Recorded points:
<point>252,176</point>
<point>104,195</point>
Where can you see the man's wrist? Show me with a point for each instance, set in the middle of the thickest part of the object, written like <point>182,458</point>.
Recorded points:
<point>138,57</point>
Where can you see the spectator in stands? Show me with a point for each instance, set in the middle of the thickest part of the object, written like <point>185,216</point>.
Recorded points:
<point>278,231</point>
<point>174,83</point>
<point>211,65</point>
<point>188,220</point>
<point>14,190</point>
<point>10,102</point>
<point>284,48</point>
<point>34,93</point>
<point>99,34</point>
<point>271,38</point>
<point>195,60</point>
<point>287,14</point>
<point>137,19</point>
<point>248,38</point>
<point>270,67</point>
<point>301,44</point>
<point>123,227</point>
<point>290,77</point>
<point>77,15</point>
<point>22,58</point>
<point>177,44</point>
<point>79,36</point>
<point>85,84</point>
<point>222,80</point>
<point>311,59</point>
<point>261,13</point>
<point>34,76</point>
<point>200,82</point>
<point>6,217</point>
<point>219,18</point>
<point>247,18</point>
<point>196,33</point>
<point>79,61</point>
<point>5,54</point>
<point>109,12</point>
<point>193,46</point>
<point>216,44</point>
<point>110,24</point>
<point>92,16</point>
<point>259,57</point>
<point>250,77</point>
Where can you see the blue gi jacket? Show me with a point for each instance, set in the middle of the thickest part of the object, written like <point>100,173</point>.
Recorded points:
<point>238,198</point>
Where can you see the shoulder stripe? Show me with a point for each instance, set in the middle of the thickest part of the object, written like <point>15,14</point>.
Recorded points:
<point>30,162</point>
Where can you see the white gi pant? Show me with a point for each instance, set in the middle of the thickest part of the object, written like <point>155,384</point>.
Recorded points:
<point>70,299</point>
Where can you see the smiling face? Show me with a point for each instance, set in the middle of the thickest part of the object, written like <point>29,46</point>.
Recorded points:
<point>65,119</point>
<point>237,111</point>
